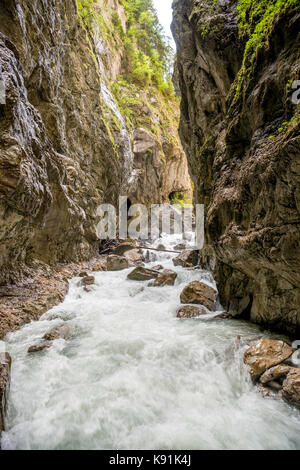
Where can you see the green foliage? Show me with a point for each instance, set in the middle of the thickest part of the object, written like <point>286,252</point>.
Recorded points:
<point>148,53</point>
<point>178,199</point>
<point>256,19</point>
<point>85,11</point>
<point>131,99</point>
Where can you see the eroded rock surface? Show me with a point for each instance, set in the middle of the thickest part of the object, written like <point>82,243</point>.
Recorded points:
<point>264,354</point>
<point>240,130</point>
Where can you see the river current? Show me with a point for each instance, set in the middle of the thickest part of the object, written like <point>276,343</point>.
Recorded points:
<point>133,376</point>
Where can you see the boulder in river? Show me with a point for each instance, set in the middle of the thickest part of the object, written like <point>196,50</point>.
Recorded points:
<point>117,263</point>
<point>39,347</point>
<point>62,331</point>
<point>142,274</point>
<point>157,267</point>
<point>199,293</point>
<point>5,367</point>
<point>190,311</point>
<point>264,354</point>
<point>165,278</point>
<point>187,259</point>
<point>134,256</point>
<point>87,281</point>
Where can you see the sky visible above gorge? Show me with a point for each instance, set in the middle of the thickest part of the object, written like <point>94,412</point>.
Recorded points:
<point>164,10</point>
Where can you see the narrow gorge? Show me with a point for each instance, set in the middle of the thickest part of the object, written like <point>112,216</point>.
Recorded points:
<point>149,343</point>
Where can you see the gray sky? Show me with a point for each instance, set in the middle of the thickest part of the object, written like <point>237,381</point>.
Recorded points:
<point>164,10</point>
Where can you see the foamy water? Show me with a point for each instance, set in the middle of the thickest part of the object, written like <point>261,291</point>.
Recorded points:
<point>133,376</point>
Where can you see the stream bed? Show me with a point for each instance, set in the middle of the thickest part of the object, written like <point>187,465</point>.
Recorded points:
<point>133,376</point>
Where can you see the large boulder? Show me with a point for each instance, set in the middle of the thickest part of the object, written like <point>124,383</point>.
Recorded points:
<point>117,263</point>
<point>142,274</point>
<point>264,354</point>
<point>190,311</point>
<point>199,293</point>
<point>5,367</point>
<point>165,278</point>
<point>187,259</point>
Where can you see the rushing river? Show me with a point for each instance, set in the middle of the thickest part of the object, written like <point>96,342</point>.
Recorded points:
<point>133,376</point>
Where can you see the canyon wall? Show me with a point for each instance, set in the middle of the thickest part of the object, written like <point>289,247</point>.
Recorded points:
<point>237,61</point>
<point>65,144</point>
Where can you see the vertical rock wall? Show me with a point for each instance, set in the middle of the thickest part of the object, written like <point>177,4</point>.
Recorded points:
<point>240,131</point>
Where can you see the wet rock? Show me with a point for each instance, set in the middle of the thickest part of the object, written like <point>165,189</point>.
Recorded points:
<point>276,373</point>
<point>142,274</point>
<point>223,316</point>
<point>291,387</point>
<point>39,347</point>
<point>88,281</point>
<point>117,263</point>
<point>264,354</point>
<point>102,266</point>
<point>62,331</point>
<point>180,246</point>
<point>166,278</point>
<point>83,274</point>
<point>190,311</point>
<point>122,249</point>
<point>199,293</point>
<point>187,259</point>
<point>161,247</point>
<point>134,256</point>
<point>158,267</point>
<point>5,367</point>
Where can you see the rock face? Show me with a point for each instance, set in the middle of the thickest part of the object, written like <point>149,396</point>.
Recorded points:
<point>65,147</point>
<point>199,293</point>
<point>264,354</point>
<point>160,167</point>
<point>5,366</point>
<point>190,311</point>
<point>187,259</point>
<point>240,131</point>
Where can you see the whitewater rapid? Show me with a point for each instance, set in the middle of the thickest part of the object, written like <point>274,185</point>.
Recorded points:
<point>133,376</point>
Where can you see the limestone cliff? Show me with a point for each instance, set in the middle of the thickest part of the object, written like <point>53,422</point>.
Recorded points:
<point>65,145</point>
<point>237,61</point>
